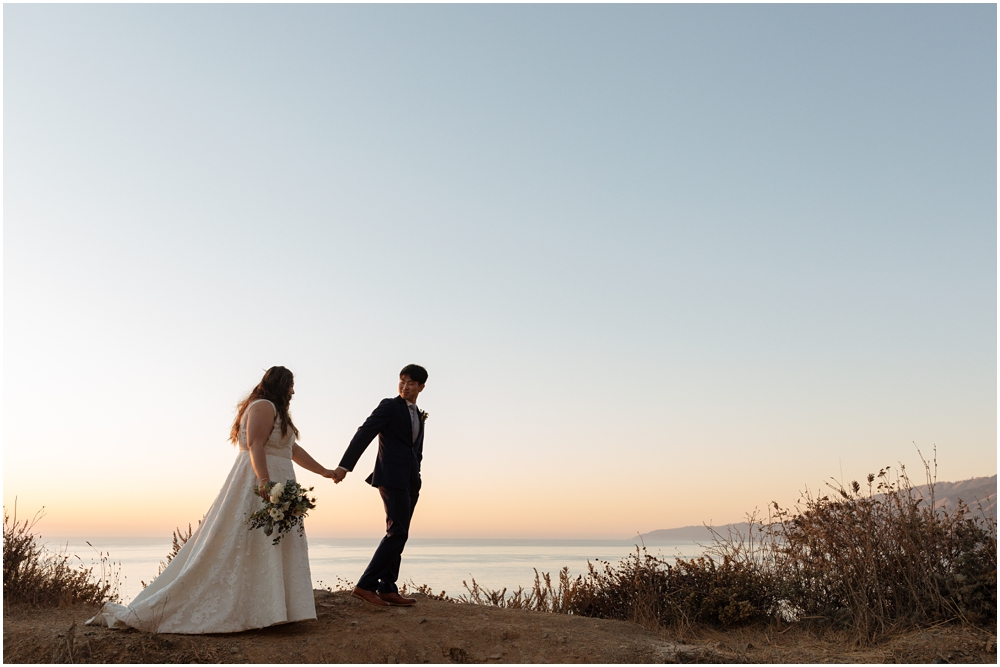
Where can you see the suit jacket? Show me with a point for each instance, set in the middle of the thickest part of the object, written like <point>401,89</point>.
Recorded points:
<point>398,462</point>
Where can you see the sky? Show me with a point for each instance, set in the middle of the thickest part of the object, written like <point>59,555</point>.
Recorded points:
<point>664,264</point>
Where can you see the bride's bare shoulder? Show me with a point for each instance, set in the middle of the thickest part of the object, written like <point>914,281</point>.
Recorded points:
<point>262,409</point>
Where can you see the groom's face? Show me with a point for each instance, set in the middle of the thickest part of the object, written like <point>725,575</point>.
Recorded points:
<point>409,389</point>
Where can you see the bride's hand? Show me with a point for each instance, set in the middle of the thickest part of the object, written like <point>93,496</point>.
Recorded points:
<point>262,488</point>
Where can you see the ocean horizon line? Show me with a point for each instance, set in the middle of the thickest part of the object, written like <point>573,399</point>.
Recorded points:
<point>151,539</point>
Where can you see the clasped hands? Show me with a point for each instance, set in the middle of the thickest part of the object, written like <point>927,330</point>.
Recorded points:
<point>337,475</point>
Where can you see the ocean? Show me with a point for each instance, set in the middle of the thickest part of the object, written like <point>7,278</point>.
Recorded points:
<point>441,564</point>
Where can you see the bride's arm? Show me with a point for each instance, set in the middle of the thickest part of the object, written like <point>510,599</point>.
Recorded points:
<point>260,422</point>
<point>302,457</point>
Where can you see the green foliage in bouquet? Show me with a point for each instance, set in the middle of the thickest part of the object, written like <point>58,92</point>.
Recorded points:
<point>286,506</point>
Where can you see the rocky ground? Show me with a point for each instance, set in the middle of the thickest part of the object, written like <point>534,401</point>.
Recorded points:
<point>435,631</point>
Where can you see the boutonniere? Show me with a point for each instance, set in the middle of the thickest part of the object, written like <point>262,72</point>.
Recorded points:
<point>424,415</point>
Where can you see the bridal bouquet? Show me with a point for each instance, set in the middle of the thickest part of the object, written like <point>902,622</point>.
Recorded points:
<point>286,506</point>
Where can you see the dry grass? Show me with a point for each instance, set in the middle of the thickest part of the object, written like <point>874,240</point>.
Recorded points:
<point>32,575</point>
<point>543,596</point>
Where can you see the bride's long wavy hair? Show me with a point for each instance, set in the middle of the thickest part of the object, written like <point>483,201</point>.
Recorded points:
<point>275,386</point>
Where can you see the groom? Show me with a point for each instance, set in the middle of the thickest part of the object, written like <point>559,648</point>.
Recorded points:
<point>399,425</point>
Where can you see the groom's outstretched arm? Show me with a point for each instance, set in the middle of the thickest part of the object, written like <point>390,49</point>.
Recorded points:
<point>366,433</point>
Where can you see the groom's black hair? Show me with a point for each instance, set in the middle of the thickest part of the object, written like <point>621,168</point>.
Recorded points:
<point>416,373</point>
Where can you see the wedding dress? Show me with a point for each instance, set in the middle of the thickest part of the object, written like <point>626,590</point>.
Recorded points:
<point>227,578</point>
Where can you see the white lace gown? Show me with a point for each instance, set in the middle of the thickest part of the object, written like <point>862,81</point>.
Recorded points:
<point>227,578</point>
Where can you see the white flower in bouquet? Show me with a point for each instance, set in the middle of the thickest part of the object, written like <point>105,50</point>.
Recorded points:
<point>280,515</point>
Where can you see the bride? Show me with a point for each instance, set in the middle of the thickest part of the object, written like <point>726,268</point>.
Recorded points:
<point>227,578</point>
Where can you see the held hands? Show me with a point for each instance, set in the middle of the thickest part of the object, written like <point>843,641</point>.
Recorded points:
<point>337,475</point>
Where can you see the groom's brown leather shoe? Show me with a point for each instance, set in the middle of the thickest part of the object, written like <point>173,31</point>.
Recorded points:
<point>369,596</point>
<point>396,599</point>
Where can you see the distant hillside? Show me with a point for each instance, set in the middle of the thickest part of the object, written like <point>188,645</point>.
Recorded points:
<point>971,491</point>
<point>946,495</point>
<point>687,534</point>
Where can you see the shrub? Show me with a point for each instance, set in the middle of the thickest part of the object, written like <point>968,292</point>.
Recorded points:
<point>881,557</point>
<point>647,590</point>
<point>32,575</point>
<point>651,591</point>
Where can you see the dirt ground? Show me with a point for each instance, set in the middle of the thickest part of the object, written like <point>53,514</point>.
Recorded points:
<point>435,631</point>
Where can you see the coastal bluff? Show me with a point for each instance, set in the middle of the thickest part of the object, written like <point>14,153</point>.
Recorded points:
<point>348,630</point>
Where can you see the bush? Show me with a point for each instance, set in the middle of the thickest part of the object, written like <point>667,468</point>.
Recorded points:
<point>647,590</point>
<point>651,591</point>
<point>32,575</point>
<point>881,557</point>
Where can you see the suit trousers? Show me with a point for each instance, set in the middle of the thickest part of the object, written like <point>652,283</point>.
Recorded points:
<point>383,570</point>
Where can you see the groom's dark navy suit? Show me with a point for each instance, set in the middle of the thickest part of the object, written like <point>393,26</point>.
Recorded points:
<point>397,476</point>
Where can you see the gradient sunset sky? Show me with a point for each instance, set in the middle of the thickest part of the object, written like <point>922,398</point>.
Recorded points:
<point>663,263</point>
